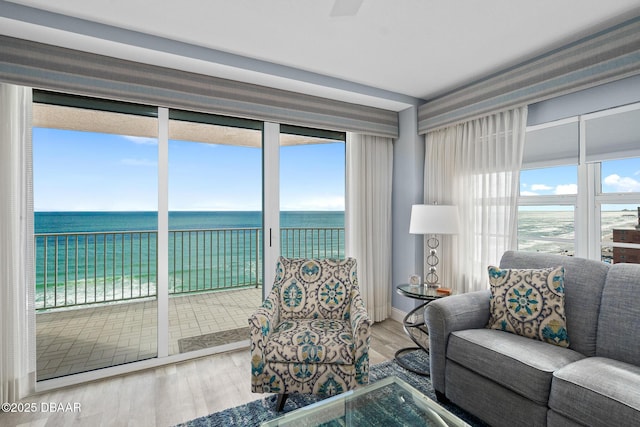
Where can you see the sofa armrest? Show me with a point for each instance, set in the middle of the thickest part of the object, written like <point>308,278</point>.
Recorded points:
<point>446,315</point>
<point>261,323</point>
<point>361,329</point>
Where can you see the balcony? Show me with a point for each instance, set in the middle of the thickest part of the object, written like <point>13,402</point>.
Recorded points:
<point>96,292</point>
<point>92,337</point>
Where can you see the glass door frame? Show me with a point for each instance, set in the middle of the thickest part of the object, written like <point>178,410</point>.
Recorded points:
<point>163,233</point>
<point>270,203</point>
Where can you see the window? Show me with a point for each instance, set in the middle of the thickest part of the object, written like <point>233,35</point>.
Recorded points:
<point>618,239</point>
<point>546,211</point>
<point>618,200</point>
<point>554,181</point>
<point>547,228</point>
<point>621,176</point>
<point>592,203</point>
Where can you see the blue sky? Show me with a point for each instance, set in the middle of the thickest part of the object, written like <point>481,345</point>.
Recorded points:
<point>618,176</point>
<point>82,171</point>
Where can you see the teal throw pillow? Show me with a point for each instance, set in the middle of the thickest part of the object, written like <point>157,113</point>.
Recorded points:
<point>530,303</point>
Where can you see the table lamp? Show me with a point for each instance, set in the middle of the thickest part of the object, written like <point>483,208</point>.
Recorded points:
<point>433,220</point>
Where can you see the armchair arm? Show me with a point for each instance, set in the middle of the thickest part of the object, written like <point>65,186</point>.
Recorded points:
<point>261,323</point>
<point>361,329</point>
<point>446,315</point>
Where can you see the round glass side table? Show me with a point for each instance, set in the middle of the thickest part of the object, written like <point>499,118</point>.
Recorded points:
<point>426,294</point>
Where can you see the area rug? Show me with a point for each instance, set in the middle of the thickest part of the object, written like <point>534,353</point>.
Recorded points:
<point>212,340</point>
<point>256,412</point>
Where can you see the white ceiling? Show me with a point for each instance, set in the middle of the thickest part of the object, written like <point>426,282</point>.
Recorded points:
<point>390,54</point>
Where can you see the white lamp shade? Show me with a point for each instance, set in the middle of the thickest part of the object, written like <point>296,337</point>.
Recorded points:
<point>434,219</point>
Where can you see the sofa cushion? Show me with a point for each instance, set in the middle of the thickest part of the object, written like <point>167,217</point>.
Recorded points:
<point>492,403</point>
<point>311,341</point>
<point>583,283</point>
<point>619,321</point>
<point>530,303</point>
<point>520,364</point>
<point>598,392</point>
<point>556,420</point>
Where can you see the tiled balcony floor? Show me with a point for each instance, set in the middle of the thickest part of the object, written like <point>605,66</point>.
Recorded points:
<point>83,339</point>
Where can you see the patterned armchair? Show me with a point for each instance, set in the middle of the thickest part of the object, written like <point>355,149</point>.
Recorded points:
<point>311,334</point>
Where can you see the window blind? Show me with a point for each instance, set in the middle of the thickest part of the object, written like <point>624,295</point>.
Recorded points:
<point>551,145</point>
<point>613,137</point>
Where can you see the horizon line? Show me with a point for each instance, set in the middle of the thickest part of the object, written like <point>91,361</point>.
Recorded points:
<point>180,210</point>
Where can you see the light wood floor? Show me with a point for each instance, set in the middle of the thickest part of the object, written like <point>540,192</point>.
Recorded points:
<point>171,394</point>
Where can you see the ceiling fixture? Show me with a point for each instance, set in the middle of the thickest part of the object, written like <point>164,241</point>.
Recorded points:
<point>345,8</point>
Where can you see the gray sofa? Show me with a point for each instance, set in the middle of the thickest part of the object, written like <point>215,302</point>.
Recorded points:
<point>508,380</point>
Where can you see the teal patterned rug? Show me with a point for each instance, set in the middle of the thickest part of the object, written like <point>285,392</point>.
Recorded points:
<point>256,412</point>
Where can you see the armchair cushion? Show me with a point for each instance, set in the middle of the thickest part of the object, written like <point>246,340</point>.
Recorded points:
<point>311,341</point>
<point>315,289</point>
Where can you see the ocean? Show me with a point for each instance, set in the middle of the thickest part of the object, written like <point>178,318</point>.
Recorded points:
<point>75,222</point>
<point>97,257</point>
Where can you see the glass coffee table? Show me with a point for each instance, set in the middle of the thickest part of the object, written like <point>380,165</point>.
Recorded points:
<point>390,402</point>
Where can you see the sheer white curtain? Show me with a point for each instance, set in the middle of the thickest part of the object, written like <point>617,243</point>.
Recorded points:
<point>368,218</point>
<point>17,316</point>
<point>476,166</point>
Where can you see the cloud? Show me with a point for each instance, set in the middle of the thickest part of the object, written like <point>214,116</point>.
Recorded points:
<point>141,140</point>
<point>139,162</point>
<point>612,179</point>
<point>566,189</point>
<point>622,184</point>
<point>540,187</point>
<point>559,189</point>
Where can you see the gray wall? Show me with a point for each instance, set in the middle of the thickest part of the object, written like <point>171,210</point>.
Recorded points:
<point>408,189</point>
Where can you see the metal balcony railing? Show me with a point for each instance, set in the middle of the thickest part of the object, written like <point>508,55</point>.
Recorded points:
<point>75,269</point>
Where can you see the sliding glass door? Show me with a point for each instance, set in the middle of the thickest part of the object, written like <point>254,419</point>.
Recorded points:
<point>215,229</point>
<point>156,229</point>
<point>95,169</point>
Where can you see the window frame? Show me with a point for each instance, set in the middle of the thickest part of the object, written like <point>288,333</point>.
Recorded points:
<point>590,198</point>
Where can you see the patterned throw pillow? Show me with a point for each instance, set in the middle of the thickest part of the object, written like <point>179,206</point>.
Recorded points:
<point>530,303</point>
